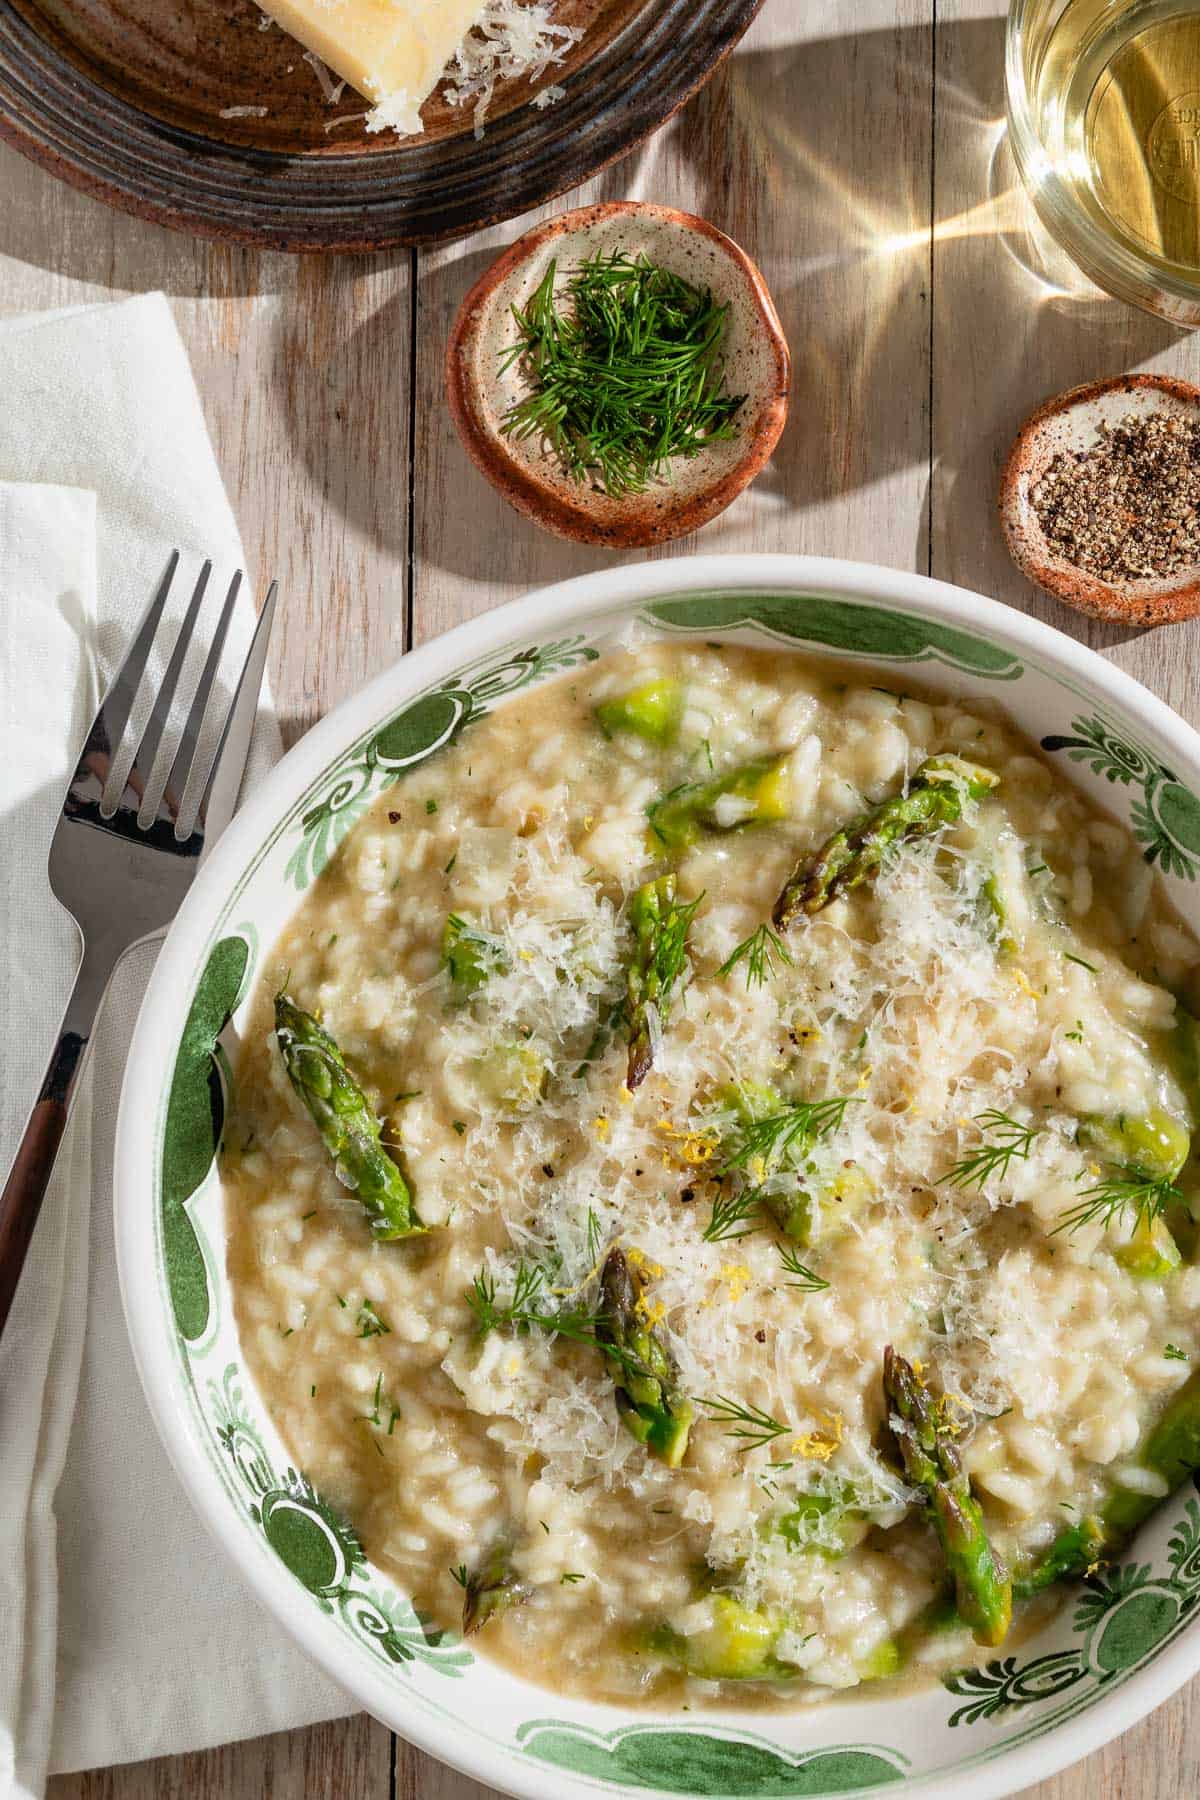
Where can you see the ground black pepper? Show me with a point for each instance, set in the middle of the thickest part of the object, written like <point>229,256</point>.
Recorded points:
<point>1127,508</point>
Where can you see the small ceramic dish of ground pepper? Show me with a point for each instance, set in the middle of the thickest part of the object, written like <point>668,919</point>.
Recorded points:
<point>619,374</point>
<point>1100,499</point>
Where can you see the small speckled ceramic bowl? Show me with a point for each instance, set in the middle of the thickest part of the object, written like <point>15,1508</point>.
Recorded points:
<point>527,473</point>
<point>1071,422</point>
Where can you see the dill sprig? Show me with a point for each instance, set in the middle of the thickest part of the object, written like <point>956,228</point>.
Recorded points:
<point>1009,1140</point>
<point>371,1322</point>
<point>527,1308</point>
<point>787,1133</point>
<point>627,376</point>
<point>749,1424</point>
<point>530,1308</point>
<point>660,923</point>
<point>729,1215</point>
<point>1105,1203</point>
<point>806,1281</point>
<point>668,947</point>
<point>759,952</point>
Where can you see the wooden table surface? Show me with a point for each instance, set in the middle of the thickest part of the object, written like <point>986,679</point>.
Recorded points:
<point>850,148</point>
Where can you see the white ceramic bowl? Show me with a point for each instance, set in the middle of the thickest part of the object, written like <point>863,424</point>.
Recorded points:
<point>1119,1647</point>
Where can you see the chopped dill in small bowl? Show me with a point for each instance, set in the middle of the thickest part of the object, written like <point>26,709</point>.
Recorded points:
<point>625,366</point>
<point>619,374</point>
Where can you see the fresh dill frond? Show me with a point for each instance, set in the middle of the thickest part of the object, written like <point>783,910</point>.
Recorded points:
<point>1009,1140</point>
<point>594,1238</point>
<point>786,1133</point>
<point>659,922</point>
<point>460,1575</point>
<point>1106,1202</point>
<point>806,1281</point>
<point>749,1424</point>
<point>1082,961</point>
<point>370,1322</point>
<point>759,952</point>
<point>1173,1353</point>
<point>669,949</point>
<point>520,1310</point>
<point>625,375</point>
<point>729,1215</point>
<point>530,1308</point>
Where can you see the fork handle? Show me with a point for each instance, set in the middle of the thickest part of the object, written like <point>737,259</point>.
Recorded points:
<point>33,1165</point>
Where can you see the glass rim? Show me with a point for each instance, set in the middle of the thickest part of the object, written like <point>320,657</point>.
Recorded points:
<point>1112,264</point>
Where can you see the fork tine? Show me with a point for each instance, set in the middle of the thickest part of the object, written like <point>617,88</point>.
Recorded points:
<point>219,798</point>
<point>112,717</point>
<point>173,793</point>
<point>164,699</point>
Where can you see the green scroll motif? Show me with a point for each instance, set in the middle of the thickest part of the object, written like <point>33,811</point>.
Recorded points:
<point>322,1551</point>
<point>1166,820</point>
<point>414,734</point>
<point>682,1760</point>
<point>192,1135</point>
<point>1123,1615</point>
<point>855,626</point>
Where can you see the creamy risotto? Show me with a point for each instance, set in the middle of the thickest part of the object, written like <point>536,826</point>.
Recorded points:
<point>708,1181</point>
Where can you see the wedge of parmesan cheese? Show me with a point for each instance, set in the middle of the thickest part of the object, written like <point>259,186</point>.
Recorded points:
<point>392,51</point>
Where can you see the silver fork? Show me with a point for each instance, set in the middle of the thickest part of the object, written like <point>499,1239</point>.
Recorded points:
<point>122,871</point>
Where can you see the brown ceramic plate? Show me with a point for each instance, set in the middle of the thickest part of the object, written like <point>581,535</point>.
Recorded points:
<point>142,103</point>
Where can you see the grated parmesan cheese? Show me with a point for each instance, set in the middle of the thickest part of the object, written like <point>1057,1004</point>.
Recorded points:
<point>515,40</point>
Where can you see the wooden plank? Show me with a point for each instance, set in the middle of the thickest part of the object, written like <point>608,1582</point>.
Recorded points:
<point>419,1777</point>
<point>1003,340</point>
<point>348,1759</point>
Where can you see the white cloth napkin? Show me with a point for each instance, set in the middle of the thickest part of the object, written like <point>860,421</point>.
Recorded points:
<point>123,1633</point>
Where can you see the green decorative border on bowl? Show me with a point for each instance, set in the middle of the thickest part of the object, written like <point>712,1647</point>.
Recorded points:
<point>1120,1617</point>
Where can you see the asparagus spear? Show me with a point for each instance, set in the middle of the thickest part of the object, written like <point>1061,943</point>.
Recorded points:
<point>1154,1143</point>
<point>757,793</point>
<point>932,1461</point>
<point>648,1399</point>
<point>346,1121</point>
<point>660,927</point>
<point>492,1587</point>
<point>651,710</point>
<point>1150,1150</point>
<point>470,955</point>
<point>935,797</point>
<point>737,1643</point>
<point>775,1136</point>
<point>1171,1450</point>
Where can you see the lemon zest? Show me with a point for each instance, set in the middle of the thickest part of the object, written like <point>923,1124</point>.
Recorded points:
<point>737,1278</point>
<point>1023,982</point>
<point>819,1445</point>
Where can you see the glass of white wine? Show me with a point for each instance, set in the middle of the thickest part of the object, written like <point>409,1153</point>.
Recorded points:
<point>1104,122</point>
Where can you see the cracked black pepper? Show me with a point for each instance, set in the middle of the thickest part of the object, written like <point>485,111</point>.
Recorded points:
<point>1127,508</point>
